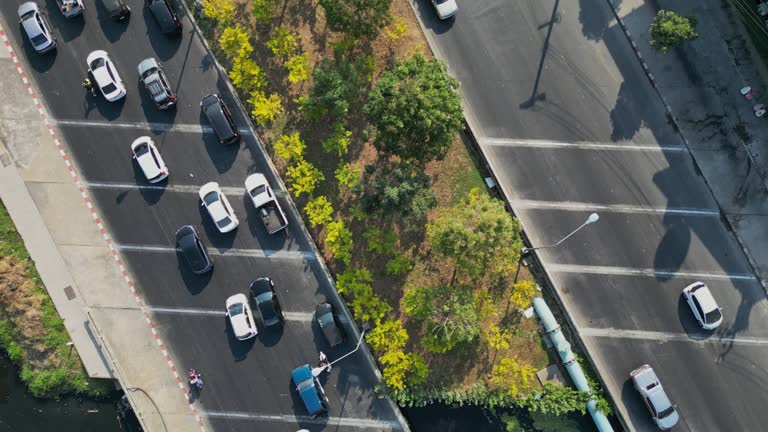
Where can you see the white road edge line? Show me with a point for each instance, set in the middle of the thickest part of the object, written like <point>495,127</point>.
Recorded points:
<point>165,127</point>
<point>570,268</point>
<point>662,336</point>
<point>227,190</point>
<point>579,206</point>
<point>334,421</point>
<point>584,145</point>
<point>289,316</point>
<point>255,253</point>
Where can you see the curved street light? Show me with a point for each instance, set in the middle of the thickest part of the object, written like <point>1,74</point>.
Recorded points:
<point>316,371</point>
<point>594,217</point>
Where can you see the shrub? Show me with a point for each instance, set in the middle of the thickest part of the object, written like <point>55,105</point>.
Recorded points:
<point>234,42</point>
<point>338,141</point>
<point>512,376</point>
<point>298,68</point>
<point>290,147</point>
<point>247,75</point>
<point>389,335</point>
<point>336,84</point>
<point>262,10</point>
<point>347,176</point>
<point>522,295</point>
<point>339,241</point>
<point>366,306</point>
<point>396,189</point>
<point>303,177</point>
<point>221,11</point>
<point>319,211</point>
<point>398,265</point>
<point>497,337</point>
<point>380,241</point>
<point>283,43</point>
<point>357,18</point>
<point>14,352</point>
<point>265,109</point>
<point>397,29</point>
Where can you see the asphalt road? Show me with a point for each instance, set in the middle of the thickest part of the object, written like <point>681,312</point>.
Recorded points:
<point>247,383</point>
<point>570,125</point>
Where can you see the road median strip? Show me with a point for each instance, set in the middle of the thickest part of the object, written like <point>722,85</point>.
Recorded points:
<point>663,336</point>
<point>583,145</point>
<point>628,271</point>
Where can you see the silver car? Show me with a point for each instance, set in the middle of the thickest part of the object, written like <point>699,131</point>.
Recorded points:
<point>654,397</point>
<point>36,27</point>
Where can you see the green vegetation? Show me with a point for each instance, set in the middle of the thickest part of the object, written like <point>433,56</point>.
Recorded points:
<point>49,368</point>
<point>669,30</point>
<point>357,18</point>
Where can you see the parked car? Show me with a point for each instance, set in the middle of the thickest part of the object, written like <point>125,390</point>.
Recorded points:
<point>703,305</point>
<point>310,390</point>
<point>193,250</point>
<point>102,69</point>
<point>329,324</point>
<point>156,83</point>
<point>265,297</point>
<point>654,397</point>
<point>218,207</point>
<point>445,8</point>
<point>164,15</point>
<point>220,118</point>
<point>148,157</point>
<point>240,317</point>
<point>117,9</point>
<point>36,27</point>
<point>266,203</point>
<point>70,8</point>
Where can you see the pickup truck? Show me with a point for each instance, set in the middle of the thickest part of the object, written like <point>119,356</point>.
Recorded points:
<point>265,202</point>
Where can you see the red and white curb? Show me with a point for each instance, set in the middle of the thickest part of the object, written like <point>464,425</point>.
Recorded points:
<point>99,223</point>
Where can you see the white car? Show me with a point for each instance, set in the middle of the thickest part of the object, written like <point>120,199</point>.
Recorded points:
<point>240,317</point>
<point>662,410</point>
<point>36,27</point>
<point>149,159</point>
<point>102,69</point>
<point>703,305</point>
<point>445,8</point>
<point>218,207</point>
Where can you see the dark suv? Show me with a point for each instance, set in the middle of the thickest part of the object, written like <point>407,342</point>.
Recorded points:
<point>156,82</point>
<point>193,250</point>
<point>220,118</point>
<point>263,293</point>
<point>164,15</point>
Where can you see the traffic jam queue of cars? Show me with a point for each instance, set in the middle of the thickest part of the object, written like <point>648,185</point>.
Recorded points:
<point>103,72</point>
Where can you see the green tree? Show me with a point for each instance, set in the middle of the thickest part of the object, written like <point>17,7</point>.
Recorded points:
<point>319,211</point>
<point>247,75</point>
<point>478,235</point>
<point>397,189</point>
<point>366,306</point>
<point>389,335</point>
<point>221,11</point>
<point>265,108</point>
<point>339,140</point>
<point>298,68</point>
<point>453,321</point>
<point>416,110</point>
<point>283,43</point>
<point>347,175</point>
<point>234,42</point>
<point>336,84</point>
<point>339,241</point>
<point>381,241</point>
<point>357,18</point>
<point>290,147</point>
<point>669,30</point>
<point>303,177</point>
<point>263,10</point>
<point>398,265</point>
<point>557,400</point>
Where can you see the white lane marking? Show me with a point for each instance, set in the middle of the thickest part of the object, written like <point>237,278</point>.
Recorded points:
<point>254,253</point>
<point>570,268</point>
<point>663,336</point>
<point>164,127</point>
<point>501,142</point>
<point>289,316</point>
<point>580,206</point>
<point>175,188</point>
<point>335,421</point>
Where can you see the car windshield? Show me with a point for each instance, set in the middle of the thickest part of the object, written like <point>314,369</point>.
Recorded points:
<point>224,222</point>
<point>99,62</point>
<point>141,150</point>
<point>713,316</point>
<point>258,190</point>
<point>39,40</point>
<point>667,412</point>
<point>211,197</point>
<point>441,1</point>
<point>27,15</point>
<point>325,319</point>
<point>235,309</point>
<point>304,385</point>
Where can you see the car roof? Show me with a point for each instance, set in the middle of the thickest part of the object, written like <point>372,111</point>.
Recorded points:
<point>215,114</point>
<point>32,27</point>
<point>645,378</point>
<point>163,13</point>
<point>188,243</point>
<point>308,395</point>
<point>239,321</point>
<point>705,298</point>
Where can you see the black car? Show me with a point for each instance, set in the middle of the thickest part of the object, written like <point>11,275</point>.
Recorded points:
<point>117,9</point>
<point>164,15</point>
<point>194,251</point>
<point>329,324</point>
<point>220,118</point>
<point>263,293</point>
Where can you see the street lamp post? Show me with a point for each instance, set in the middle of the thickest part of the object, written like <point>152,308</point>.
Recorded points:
<point>591,219</point>
<point>316,371</point>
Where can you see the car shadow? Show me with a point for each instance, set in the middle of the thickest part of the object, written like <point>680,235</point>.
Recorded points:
<point>111,28</point>
<point>238,348</point>
<point>150,196</point>
<point>195,283</point>
<point>163,45</point>
<point>688,321</point>
<point>636,411</point>
<point>257,229</point>
<point>222,155</point>
<point>303,419</point>
<point>221,241</point>
<point>429,17</point>
<point>69,28</point>
<point>268,336</point>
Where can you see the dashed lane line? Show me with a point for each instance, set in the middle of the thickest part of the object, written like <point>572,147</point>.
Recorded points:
<point>676,337</point>
<point>164,127</point>
<point>580,206</point>
<point>583,145</point>
<point>379,425</point>
<point>175,188</point>
<point>628,271</point>
<point>289,316</point>
<point>253,253</point>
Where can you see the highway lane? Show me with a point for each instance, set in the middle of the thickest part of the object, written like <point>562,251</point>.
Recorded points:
<point>248,380</point>
<point>563,73</point>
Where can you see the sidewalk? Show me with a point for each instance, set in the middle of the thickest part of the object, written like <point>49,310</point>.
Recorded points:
<point>700,82</point>
<point>81,272</point>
